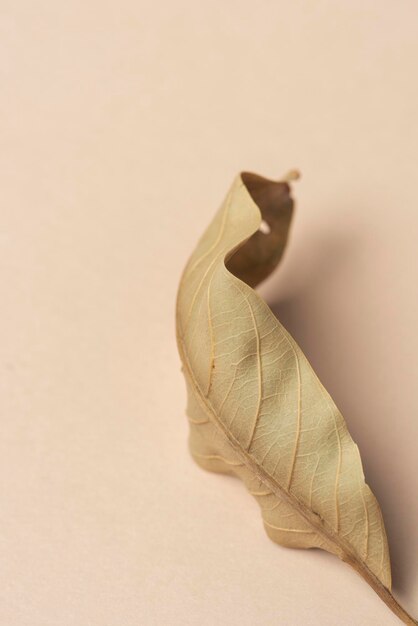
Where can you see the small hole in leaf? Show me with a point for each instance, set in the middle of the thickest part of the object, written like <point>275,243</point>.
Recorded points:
<point>265,227</point>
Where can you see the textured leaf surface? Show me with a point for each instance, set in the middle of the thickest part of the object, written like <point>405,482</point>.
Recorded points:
<point>256,408</point>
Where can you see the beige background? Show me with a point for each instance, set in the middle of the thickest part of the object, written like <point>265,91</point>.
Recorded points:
<point>122,126</point>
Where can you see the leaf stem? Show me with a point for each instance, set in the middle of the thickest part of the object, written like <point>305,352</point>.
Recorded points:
<point>383,593</point>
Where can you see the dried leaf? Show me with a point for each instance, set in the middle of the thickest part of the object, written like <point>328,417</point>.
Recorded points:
<point>256,407</point>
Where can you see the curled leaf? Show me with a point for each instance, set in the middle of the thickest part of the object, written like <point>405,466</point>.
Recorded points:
<point>256,407</point>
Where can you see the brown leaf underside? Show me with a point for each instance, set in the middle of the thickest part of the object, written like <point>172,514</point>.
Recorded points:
<point>256,408</point>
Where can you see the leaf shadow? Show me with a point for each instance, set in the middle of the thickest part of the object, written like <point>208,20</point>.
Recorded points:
<point>319,310</point>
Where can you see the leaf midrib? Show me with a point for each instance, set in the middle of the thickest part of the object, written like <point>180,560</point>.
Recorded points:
<point>320,526</point>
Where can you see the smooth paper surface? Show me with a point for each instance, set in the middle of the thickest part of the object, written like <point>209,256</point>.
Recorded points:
<point>122,125</point>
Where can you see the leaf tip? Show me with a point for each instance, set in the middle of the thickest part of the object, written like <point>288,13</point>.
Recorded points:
<point>290,176</point>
